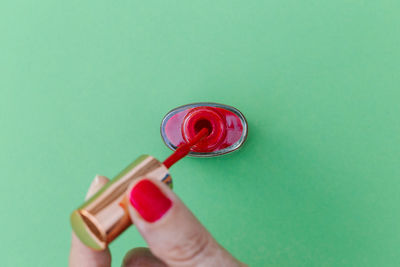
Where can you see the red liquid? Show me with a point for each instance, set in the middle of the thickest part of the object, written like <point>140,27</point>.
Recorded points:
<point>224,128</point>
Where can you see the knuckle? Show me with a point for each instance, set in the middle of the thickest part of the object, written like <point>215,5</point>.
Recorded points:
<point>192,247</point>
<point>141,257</point>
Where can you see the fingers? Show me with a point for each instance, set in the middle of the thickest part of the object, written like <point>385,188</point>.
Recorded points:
<point>172,232</point>
<point>81,255</point>
<point>97,183</point>
<point>141,257</point>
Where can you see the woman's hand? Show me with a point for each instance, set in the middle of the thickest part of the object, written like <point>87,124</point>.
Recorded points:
<point>174,235</point>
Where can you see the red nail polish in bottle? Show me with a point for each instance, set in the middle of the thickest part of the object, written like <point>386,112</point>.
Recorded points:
<point>227,128</point>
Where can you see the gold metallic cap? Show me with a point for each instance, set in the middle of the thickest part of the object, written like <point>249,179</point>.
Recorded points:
<point>104,217</point>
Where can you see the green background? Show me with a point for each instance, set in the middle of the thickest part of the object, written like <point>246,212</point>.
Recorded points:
<point>85,84</point>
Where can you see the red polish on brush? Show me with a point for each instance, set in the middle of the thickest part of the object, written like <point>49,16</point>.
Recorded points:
<point>147,198</point>
<point>184,149</point>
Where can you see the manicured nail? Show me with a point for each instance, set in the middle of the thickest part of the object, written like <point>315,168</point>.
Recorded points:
<point>149,201</point>
<point>93,187</point>
<point>97,183</point>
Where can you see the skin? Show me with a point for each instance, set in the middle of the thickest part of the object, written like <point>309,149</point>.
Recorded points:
<point>177,239</point>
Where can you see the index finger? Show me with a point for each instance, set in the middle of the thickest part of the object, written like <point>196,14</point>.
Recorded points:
<point>172,232</point>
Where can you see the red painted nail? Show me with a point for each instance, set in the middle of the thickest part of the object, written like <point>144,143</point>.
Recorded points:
<point>149,201</point>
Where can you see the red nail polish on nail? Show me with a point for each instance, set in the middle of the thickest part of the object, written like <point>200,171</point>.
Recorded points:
<point>149,201</point>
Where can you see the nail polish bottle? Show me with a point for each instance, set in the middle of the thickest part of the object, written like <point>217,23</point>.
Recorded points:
<point>198,130</point>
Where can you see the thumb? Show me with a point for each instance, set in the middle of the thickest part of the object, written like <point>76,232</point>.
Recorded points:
<point>80,255</point>
<point>172,232</point>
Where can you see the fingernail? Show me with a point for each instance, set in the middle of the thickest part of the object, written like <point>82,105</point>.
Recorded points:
<point>96,180</point>
<point>149,201</point>
<point>92,187</point>
<point>96,184</point>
